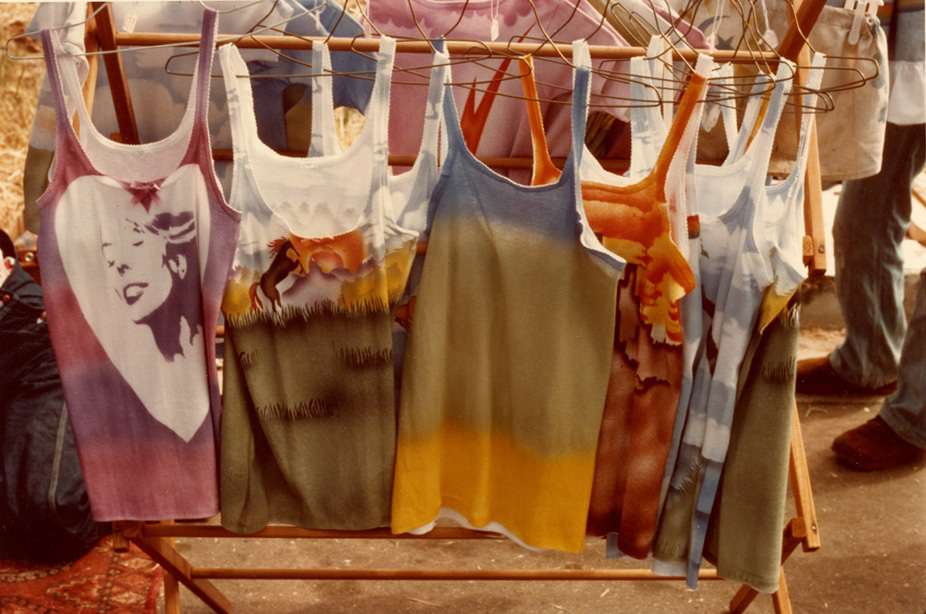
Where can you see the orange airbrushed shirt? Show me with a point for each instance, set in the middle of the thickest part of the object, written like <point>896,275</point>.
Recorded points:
<point>633,220</point>
<point>646,363</point>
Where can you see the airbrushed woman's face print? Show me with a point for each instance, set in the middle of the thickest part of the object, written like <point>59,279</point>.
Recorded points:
<point>136,265</point>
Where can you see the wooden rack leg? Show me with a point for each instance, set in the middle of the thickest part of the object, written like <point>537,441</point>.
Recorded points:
<point>781,600</point>
<point>800,484</point>
<point>92,45</point>
<point>813,207</point>
<point>795,533</point>
<point>120,541</point>
<point>162,551</point>
<point>171,586</point>
<point>171,595</point>
<point>813,188</point>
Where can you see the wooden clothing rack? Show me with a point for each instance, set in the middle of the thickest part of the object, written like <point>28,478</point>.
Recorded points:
<point>156,539</point>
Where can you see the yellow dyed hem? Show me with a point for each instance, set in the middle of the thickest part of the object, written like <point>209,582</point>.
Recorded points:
<point>488,477</point>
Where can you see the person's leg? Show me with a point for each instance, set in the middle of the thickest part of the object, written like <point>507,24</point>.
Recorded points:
<point>905,410</point>
<point>897,435</point>
<point>871,220</point>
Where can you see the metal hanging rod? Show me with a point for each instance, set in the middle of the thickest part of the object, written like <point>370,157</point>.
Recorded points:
<point>457,47</point>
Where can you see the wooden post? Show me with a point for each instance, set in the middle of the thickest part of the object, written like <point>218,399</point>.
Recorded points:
<point>793,46</point>
<point>800,484</point>
<point>813,191</point>
<point>163,552</point>
<point>115,71</point>
<point>91,44</point>
<point>781,599</point>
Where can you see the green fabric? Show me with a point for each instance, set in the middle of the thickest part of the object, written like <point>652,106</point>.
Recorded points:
<point>508,360</point>
<point>744,537</point>
<point>331,410</point>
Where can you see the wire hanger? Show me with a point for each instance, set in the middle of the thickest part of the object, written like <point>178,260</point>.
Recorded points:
<point>103,6</point>
<point>258,27</point>
<point>419,70</point>
<point>370,75</point>
<point>479,53</point>
<point>757,47</point>
<point>751,42</point>
<point>36,33</point>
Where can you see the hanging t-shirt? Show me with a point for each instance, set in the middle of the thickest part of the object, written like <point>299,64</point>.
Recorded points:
<point>308,426</point>
<point>136,245</point>
<point>508,356</point>
<point>635,218</point>
<point>737,266</point>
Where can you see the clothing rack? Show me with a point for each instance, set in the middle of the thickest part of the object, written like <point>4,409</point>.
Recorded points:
<point>156,539</point>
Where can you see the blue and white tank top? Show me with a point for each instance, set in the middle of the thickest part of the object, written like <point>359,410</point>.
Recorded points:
<point>738,246</point>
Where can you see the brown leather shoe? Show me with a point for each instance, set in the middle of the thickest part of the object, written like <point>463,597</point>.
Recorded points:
<point>816,376</point>
<point>874,446</point>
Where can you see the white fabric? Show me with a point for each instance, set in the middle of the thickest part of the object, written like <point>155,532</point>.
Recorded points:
<point>907,103</point>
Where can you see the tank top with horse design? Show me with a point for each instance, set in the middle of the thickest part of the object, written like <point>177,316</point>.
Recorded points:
<point>308,427</point>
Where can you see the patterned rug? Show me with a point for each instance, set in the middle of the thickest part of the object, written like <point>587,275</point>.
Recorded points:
<point>102,581</point>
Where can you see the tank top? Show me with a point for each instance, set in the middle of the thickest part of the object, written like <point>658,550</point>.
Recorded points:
<point>677,499</point>
<point>136,245</point>
<point>410,191</point>
<point>737,246</point>
<point>646,370</point>
<point>308,429</point>
<point>744,538</point>
<point>784,224</point>
<point>687,234</point>
<point>508,354</point>
<point>640,409</point>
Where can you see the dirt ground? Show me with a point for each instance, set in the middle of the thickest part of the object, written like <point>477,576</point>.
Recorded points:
<point>872,559</point>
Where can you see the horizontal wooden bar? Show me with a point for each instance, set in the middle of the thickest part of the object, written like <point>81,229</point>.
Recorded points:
<point>454,47</point>
<point>221,573</point>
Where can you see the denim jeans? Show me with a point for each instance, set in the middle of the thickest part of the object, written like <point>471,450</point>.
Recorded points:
<point>905,410</point>
<point>44,510</point>
<point>880,346</point>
